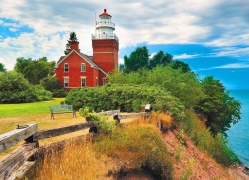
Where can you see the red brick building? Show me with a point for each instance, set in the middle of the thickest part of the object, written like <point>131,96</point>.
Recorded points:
<point>80,70</point>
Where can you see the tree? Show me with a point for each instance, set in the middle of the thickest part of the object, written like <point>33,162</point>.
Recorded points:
<point>220,109</point>
<point>160,59</point>
<point>14,88</point>
<point>176,64</point>
<point>2,69</point>
<point>34,70</point>
<point>72,38</point>
<point>138,59</point>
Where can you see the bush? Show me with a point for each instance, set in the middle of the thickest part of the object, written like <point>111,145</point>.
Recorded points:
<point>185,86</point>
<point>14,88</point>
<point>127,98</point>
<point>104,125</point>
<point>41,93</point>
<point>53,85</point>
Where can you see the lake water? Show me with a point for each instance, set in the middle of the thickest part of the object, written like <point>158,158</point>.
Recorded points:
<point>238,134</point>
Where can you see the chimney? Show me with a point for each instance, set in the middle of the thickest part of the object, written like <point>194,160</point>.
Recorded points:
<point>75,46</point>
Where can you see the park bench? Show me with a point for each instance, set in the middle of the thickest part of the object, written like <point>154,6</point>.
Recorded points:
<point>60,109</point>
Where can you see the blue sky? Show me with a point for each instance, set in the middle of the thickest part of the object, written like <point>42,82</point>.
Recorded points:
<point>210,35</point>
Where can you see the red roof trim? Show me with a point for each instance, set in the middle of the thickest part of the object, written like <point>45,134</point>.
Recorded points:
<point>105,13</point>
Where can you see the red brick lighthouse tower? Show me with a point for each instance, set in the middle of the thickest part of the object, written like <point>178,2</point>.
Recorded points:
<point>105,43</point>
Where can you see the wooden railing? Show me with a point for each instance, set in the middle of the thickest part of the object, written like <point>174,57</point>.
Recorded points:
<point>18,162</point>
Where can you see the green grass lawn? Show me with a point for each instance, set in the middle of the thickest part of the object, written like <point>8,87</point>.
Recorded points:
<point>13,110</point>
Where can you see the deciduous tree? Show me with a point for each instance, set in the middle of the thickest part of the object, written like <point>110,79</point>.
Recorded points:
<point>176,64</point>
<point>138,59</point>
<point>220,109</point>
<point>34,70</point>
<point>160,59</point>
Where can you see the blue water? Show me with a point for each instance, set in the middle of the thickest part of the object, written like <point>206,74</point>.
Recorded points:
<point>238,134</point>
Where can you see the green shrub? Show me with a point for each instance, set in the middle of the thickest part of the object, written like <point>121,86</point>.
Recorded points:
<point>127,98</point>
<point>41,93</point>
<point>185,86</point>
<point>53,85</point>
<point>14,88</point>
<point>104,125</point>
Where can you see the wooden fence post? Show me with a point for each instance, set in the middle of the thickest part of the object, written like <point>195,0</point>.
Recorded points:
<point>12,138</point>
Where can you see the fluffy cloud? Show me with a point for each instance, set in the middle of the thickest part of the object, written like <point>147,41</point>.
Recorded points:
<point>209,22</point>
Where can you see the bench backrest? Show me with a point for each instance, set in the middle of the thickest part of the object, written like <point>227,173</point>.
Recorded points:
<point>61,107</point>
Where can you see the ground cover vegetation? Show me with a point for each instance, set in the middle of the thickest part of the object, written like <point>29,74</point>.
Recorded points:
<point>24,109</point>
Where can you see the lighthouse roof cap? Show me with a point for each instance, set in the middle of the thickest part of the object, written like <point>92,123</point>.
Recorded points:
<point>105,13</point>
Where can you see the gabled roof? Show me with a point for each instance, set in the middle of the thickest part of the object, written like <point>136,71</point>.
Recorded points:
<point>88,59</point>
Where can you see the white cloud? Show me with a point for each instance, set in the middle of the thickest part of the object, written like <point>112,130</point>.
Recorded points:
<point>185,56</point>
<point>13,29</point>
<point>209,22</point>
<point>233,51</point>
<point>232,66</point>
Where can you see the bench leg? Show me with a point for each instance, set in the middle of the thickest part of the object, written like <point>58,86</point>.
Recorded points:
<point>52,115</point>
<point>74,114</point>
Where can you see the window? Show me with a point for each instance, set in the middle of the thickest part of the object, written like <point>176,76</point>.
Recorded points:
<point>83,67</point>
<point>104,81</point>
<point>83,82</point>
<point>97,81</point>
<point>66,67</point>
<point>66,82</point>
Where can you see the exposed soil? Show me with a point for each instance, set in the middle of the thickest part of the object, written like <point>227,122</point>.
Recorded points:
<point>194,164</point>
<point>191,163</point>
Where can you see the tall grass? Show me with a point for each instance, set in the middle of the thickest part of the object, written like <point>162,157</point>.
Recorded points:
<point>216,146</point>
<point>76,160</point>
<point>137,145</point>
<point>129,148</point>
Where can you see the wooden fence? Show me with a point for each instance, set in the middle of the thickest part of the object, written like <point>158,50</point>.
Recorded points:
<point>18,162</point>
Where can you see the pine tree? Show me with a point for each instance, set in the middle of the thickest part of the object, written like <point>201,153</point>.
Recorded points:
<point>72,38</point>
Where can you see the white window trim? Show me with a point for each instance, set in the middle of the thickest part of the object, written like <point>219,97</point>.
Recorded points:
<point>97,81</point>
<point>67,67</point>
<point>65,82</point>
<point>81,81</point>
<point>81,69</point>
<point>104,81</point>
